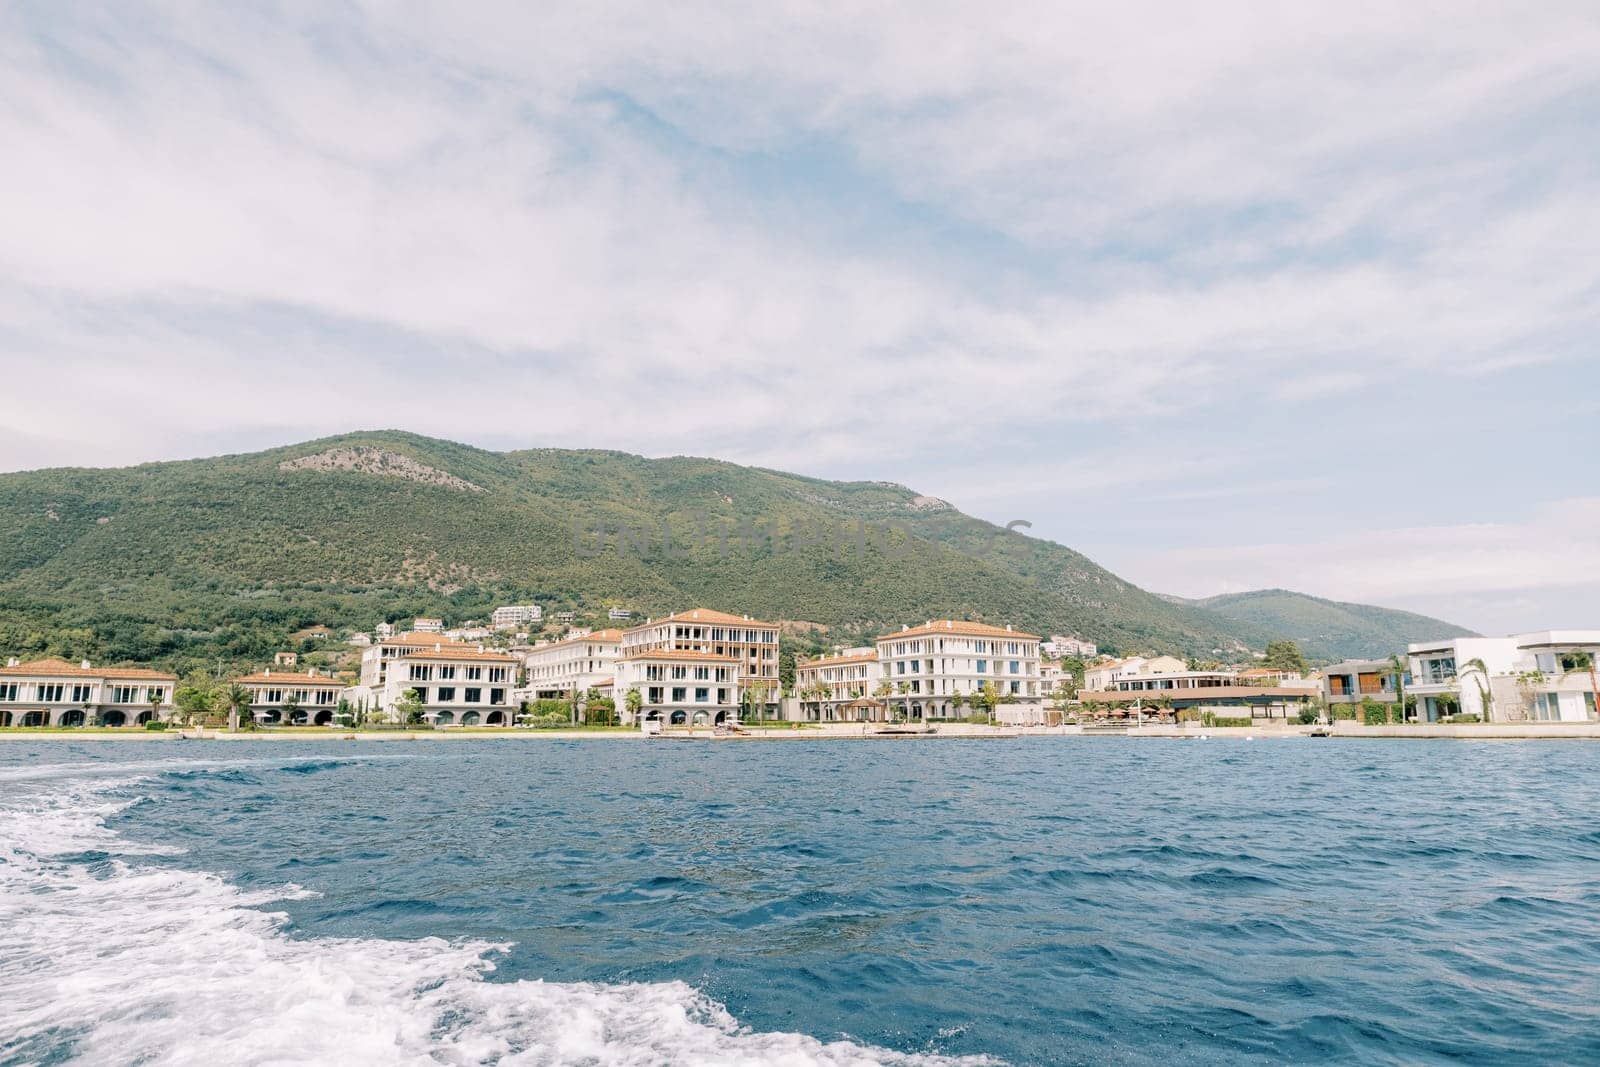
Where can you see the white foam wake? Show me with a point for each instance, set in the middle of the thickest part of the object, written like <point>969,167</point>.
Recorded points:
<point>116,961</point>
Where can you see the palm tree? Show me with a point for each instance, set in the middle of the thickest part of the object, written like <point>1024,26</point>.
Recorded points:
<point>633,701</point>
<point>1397,669</point>
<point>1584,661</point>
<point>883,691</point>
<point>238,701</point>
<point>1481,677</point>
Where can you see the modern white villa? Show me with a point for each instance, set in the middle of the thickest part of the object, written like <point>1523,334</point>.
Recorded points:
<point>938,670</point>
<point>679,687</point>
<point>1544,676</point>
<point>292,698</point>
<point>53,692</point>
<point>574,664</point>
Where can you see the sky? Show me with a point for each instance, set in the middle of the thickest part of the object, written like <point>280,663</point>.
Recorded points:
<point>1227,296</point>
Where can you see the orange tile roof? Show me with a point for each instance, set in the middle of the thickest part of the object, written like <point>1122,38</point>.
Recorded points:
<point>288,678</point>
<point>459,652</point>
<point>957,626</point>
<point>706,615</point>
<point>667,653</point>
<point>596,635</point>
<point>836,661</point>
<point>1112,696</point>
<point>56,668</point>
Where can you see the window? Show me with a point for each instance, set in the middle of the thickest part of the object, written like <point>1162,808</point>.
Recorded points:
<point>497,696</point>
<point>420,672</point>
<point>446,673</point>
<point>679,694</point>
<point>447,693</point>
<point>8,692</point>
<point>701,674</point>
<point>474,695</point>
<point>51,694</point>
<point>654,695</point>
<point>1016,668</point>
<point>499,674</point>
<point>124,694</point>
<point>474,674</point>
<point>702,694</point>
<point>983,666</point>
<point>155,695</point>
<point>82,694</point>
<point>1546,662</point>
<point>1547,707</point>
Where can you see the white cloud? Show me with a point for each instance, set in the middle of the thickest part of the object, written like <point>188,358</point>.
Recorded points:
<point>305,219</point>
<point>1488,571</point>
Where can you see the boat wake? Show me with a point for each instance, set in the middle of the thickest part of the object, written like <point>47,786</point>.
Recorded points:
<point>109,958</point>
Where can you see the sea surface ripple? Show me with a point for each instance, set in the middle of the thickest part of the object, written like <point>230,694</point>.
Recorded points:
<point>1054,900</point>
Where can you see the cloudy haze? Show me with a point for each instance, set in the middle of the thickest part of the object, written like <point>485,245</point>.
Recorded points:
<point>1227,296</point>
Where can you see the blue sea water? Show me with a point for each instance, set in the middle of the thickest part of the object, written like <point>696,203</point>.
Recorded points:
<point>1038,901</point>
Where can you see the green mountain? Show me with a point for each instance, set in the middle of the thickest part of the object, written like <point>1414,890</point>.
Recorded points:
<point>225,557</point>
<point>1329,629</point>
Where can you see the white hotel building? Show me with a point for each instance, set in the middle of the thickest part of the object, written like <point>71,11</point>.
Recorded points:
<point>292,698</point>
<point>458,684</point>
<point>929,664</point>
<point>52,692</point>
<point>679,687</point>
<point>575,664</point>
<point>840,688</point>
<point>749,642</point>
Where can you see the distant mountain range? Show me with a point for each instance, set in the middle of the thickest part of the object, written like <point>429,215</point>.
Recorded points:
<point>226,557</point>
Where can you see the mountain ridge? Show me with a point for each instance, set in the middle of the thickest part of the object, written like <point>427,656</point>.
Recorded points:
<point>225,555</point>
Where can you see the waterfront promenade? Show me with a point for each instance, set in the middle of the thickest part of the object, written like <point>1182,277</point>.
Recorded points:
<point>1523,731</point>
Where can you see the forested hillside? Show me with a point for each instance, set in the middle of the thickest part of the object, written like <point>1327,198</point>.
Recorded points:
<point>225,557</point>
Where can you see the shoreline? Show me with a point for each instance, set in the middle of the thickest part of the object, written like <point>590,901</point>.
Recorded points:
<point>1536,731</point>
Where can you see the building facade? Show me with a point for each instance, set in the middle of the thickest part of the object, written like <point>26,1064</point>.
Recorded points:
<point>52,692</point>
<point>458,684</point>
<point>510,616</point>
<point>1355,680</point>
<point>752,643</point>
<point>292,698</point>
<point>679,687</point>
<point>1543,676</point>
<point>939,670</point>
<point>574,664</point>
<point>833,688</point>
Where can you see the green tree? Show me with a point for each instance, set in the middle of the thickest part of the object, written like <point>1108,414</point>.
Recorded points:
<point>634,701</point>
<point>989,698</point>
<point>290,705</point>
<point>195,697</point>
<point>1285,655</point>
<point>409,707</point>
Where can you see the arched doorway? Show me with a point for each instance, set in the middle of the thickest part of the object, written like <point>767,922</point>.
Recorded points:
<point>496,718</point>
<point>269,717</point>
<point>36,718</point>
<point>298,717</point>
<point>469,718</point>
<point>679,718</point>
<point>701,718</point>
<point>72,717</point>
<point>144,717</point>
<point>324,718</point>
<point>113,718</point>
<point>721,718</point>
<point>444,718</point>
